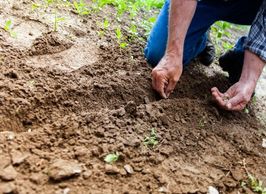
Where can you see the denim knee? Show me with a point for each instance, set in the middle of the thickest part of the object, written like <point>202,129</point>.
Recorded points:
<point>152,56</point>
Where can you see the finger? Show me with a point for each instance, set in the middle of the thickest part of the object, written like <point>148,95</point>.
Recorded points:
<point>215,91</point>
<point>239,107</point>
<point>158,83</point>
<point>170,87</point>
<point>234,102</point>
<point>218,97</point>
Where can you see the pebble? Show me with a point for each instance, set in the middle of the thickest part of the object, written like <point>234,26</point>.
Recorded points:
<point>119,112</point>
<point>38,178</point>
<point>131,108</point>
<point>87,174</point>
<point>5,161</point>
<point>8,174</point>
<point>7,188</point>
<point>183,121</point>
<point>212,190</point>
<point>166,150</point>
<point>8,135</point>
<point>163,190</point>
<point>18,157</point>
<point>129,169</point>
<point>146,100</point>
<point>62,169</point>
<point>112,170</point>
<point>264,143</point>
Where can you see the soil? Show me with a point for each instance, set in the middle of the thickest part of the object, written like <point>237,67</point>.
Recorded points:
<point>69,98</point>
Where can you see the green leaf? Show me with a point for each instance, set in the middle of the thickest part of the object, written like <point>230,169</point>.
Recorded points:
<point>111,158</point>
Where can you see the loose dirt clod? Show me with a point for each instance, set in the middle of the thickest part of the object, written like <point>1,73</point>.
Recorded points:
<point>18,157</point>
<point>111,169</point>
<point>63,169</point>
<point>76,97</point>
<point>7,188</point>
<point>8,174</point>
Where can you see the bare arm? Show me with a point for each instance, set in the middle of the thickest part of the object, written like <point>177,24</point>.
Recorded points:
<point>240,93</point>
<point>166,74</point>
<point>181,14</point>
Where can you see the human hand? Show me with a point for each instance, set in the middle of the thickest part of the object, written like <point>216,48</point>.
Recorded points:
<point>236,97</point>
<point>166,74</point>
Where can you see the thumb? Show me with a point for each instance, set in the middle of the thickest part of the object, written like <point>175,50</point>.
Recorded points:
<point>234,101</point>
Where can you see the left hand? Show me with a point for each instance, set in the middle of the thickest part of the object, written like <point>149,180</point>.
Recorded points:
<point>236,97</point>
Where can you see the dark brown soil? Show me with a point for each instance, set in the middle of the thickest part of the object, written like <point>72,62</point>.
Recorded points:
<point>80,115</point>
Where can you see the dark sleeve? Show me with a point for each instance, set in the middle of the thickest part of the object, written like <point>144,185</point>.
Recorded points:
<point>256,41</point>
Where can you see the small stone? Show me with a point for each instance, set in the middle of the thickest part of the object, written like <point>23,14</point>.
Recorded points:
<point>7,188</point>
<point>112,170</point>
<point>5,161</point>
<point>119,112</point>
<point>63,169</point>
<point>163,190</point>
<point>18,157</point>
<point>146,100</point>
<point>66,191</point>
<point>8,174</point>
<point>8,135</point>
<point>131,108</point>
<point>183,121</point>
<point>166,150</point>
<point>123,172</point>
<point>212,190</point>
<point>63,191</point>
<point>264,143</point>
<point>129,169</point>
<point>165,120</point>
<point>97,151</point>
<point>237,175</point>
<point>99,132</point>
<point>87,174</point>
<point>38,178</point>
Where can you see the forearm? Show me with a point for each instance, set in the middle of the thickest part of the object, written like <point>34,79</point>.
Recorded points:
<point>252,68</point>
<point>180,16</point>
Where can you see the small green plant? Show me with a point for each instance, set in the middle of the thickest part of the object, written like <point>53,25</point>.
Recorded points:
<point>220,30</point>
<point>49,2</point>
<point>120,37</point>
<point>253,183</point>
<point>57,20</point>
<point>8,28</point>
<point>256,185</point>
<point>111,158</point>
<point>151,140</point>
<point>105,24</point>
<point>246,110</point>
<point>81,7</point>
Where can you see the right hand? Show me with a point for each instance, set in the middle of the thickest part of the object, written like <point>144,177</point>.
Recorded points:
<point>166,74</point>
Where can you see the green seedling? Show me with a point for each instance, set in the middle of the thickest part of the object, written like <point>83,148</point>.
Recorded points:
<point>57,20</point>
<point>105,24</point>
<point>256,185</point>
<point>246,110</point>
<point>81,7</point>
<point>35,6</point>
<point>49,2</point>
<point>253,183</point>
<point>119,37</point>
<point>111,158</point>
<point>152,140</point>
<point>8,28</point>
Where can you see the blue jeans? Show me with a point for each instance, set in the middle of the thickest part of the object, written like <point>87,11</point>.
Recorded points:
<point>207,12</point>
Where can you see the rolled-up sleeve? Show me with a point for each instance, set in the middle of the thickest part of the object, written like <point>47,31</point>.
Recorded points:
<point>256,40</point>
